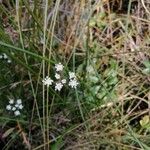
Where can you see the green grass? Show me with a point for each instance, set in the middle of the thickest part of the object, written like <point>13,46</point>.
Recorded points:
<point>107,46</point>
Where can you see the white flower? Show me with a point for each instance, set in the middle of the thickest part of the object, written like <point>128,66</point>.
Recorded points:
<point>11,101</point>
<point>59,67</point>
<point>17,105</point>
<point>72,75</point>
<point>17,113</point>
<point>73,83</point>
<point>58,86</point>
<point>63,81</point>
<point>5,56</point>
<point>47,81</point>
<point>14,108</point>
<point>1,56</point>
<point>57,76</point>
<point>8,107</point>
<point>19,101</point>
<point>20,106</point>
<point>9,61</point>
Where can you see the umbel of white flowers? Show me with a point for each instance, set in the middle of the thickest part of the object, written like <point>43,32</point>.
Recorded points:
<point>59,80</point>
<point>15,106</point>
<point>5,57</point>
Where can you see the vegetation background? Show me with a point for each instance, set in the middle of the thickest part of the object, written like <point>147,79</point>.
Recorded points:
<point>106,43</point>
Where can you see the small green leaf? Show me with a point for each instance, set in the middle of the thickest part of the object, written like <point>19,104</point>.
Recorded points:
<point>93,79</point>
<point>95,89</point>
<point>146,71</point>
<point>147,64</point>
<point>113,81</point>
<point>57,145</point>
<point>92,23</point>
<point>145,121</point>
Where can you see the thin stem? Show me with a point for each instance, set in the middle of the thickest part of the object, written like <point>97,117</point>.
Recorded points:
<point>44,52</point>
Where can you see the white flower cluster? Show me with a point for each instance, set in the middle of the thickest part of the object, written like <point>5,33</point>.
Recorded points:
<point>47,81</point>
<point>15,107</point>
<point>72,80</point>
<point>5,57</point>
<point>59,80</point>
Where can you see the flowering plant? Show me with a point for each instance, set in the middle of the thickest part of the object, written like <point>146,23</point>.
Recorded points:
<point>15,106</point>
<point>5,57</point>
<point>59,80</point>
